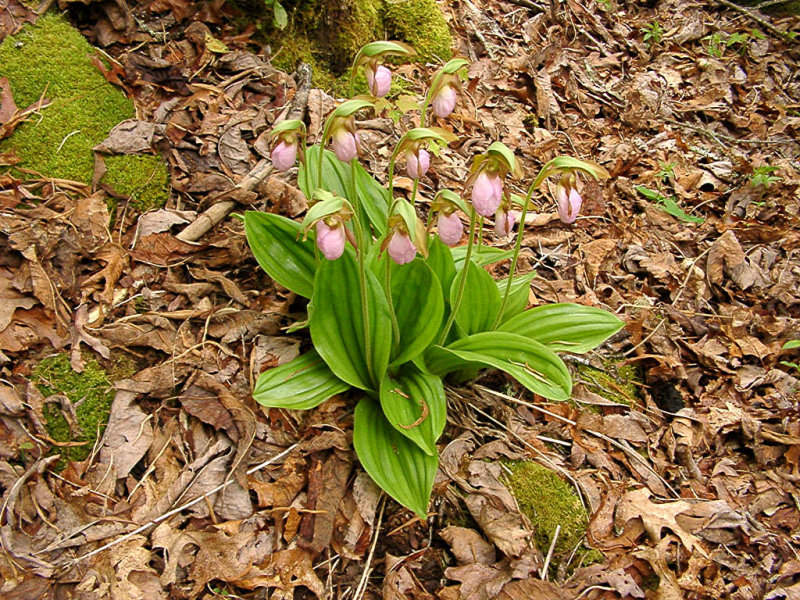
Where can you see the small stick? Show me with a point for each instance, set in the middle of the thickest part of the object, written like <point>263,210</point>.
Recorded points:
<point>754,17</point>
<point>543,572</point>
<point>362,584</point>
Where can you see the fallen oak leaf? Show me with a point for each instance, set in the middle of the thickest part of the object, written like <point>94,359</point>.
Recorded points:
<point>654,518</point>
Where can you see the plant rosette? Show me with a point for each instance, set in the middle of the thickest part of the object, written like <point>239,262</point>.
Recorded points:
<point>396,311</point>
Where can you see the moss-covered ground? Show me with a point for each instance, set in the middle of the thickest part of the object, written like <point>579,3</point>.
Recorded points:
<point>90,393</point>
<point>616,382</point>
<point>328,40</point>
<point>548,502</point>
<point>52,60</point>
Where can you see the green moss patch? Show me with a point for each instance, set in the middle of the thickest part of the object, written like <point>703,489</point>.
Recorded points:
<point>616,382</point>
<point>90,393</point>
<point>421,24</point>
<point>141,177</point>
<point>53,60</point>
<point>548,502</point>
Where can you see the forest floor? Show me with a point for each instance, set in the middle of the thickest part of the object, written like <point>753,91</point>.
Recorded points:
<point>678,457</point>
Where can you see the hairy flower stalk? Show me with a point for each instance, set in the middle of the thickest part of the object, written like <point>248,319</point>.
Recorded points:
<point>462,282</point>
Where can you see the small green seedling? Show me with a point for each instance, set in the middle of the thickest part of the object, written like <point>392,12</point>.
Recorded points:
<point>666,171</point>
<point>668,205</point>
<point>763,176</point>
<point>653,33</point>
<point>789,346</point>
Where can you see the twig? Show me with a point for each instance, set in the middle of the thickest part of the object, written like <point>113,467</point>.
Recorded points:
<point>535,6</point>
<point>223,206</point>
<point>754,17</point>
<point>718,137</point>
<point>362,584</point>
<point>543,572</point>
<point>182,507</point>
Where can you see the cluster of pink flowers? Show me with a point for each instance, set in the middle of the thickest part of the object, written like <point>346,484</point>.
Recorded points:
<point>487,187</point>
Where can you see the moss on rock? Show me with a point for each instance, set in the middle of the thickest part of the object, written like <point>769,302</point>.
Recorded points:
<point>142,177</point>
<point>91,394</point>
<point>549,502</point>
<point>421,24</point>
<point>616,382</point>
<point>52,59</point>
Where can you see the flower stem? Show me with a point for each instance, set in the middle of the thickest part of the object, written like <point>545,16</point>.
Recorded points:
<point>361,236</point>
<point>392,315</point>
<point>462,283</point>
<point>514,258</point>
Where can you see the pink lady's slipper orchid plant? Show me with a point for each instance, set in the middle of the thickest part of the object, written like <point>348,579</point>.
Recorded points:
<point>395,309</point>
<point>568,200</point>
<point>379,80</point>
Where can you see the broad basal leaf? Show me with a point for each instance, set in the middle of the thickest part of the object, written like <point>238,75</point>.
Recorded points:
<point>300,384</point>
<point>337,323</point>
<point>532,364</point>
<point>480,302</point>
<point>440,259</point>
<point>485,255</point>
<point>393,461</point>
<point>565,327</point>
<point>415,405</point>
<point>518,296</point>
<point>275,244</point>
<point>419,307</point>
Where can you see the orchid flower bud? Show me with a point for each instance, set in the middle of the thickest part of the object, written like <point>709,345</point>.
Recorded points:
<point>379,80</point>
<point>345,144</point>
<point>284,155</point>
<point>568,200</point>
<point>450,228</point>
<point>487,193</point>
<point>417,163</point>
<point>330,240</point>
<point>444,101</point>
<point>401,249</point>
<point>503,222</point>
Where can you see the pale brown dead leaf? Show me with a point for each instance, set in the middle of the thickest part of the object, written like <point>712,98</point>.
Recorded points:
<point>654,518</point>
<point>131,137</point>
<point>468,546</point>
<point>127,437</point>
<point>161,220</point>
<point>726,258</point>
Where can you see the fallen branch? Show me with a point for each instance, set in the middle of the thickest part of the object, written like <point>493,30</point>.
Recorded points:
<point>223,206</point>
<point>757,18</point>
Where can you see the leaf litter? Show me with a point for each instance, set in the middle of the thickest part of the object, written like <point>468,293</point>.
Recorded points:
<point>691,484</point>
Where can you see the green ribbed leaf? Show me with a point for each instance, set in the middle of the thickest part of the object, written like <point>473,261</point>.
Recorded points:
<point>565,327</point>
<point>393,461</point>
<point>415,405</point>
<point>337,323</point>
<point>518,296</point>
<point>419,307</point>
<point>275,244</point>
<point>532,364</point>
<point>480,302</point>
<point>440,259</point>
<point>300,384</point>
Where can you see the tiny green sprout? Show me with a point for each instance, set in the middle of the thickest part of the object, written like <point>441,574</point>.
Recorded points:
<point>715,44</point>
<point>607,5</point>
<point>763,176</point>
<point>666,171</point>
<point>652,33</point>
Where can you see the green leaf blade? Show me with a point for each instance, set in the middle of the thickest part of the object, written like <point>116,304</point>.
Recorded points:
<point>414,404</point>
<point>480,302</point>
<point>393,461</point>
<point>418,306</point>
<point>336,321</point>
<point>532,364</point>
<point>565,327</point>
<point>275,244</point>
<point>300,384</point>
